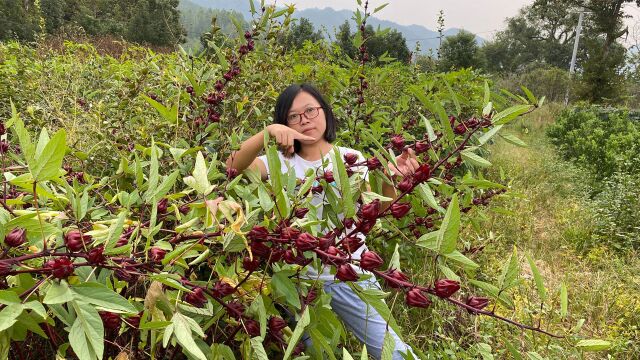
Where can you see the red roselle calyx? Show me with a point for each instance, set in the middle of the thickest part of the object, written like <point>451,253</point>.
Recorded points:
<point>371,210</point>
<point>276,324</point>
<point>422,147</point>
<point>162,206</point>
<point>306,241</point>
<point>422,174</point>
<point>250,265</point>
<point>417,299</point>
<point>346,273</point>
<point>370,260</point>
<point>96,256</point>
<point>328,176</point>
<point>235,309</point>
<point>252,327</point>
<point>350,158</point>
<point>75,241</point>
<point>156,254</point>
<point>16,237</point>
<point>398,210</point>
<point>373,164</point>
<point>222,289</point>
<point>301,212</point>
<point>289,233</point>
<point>477,303</point>
<point>110,320</point>
<point>406,184</point>
<point>4,147</point>
<point>397,142</point>
<point>444,288</point>
<point>122,241</point>
<point>258,233</point>
<point>366,225</point>
<point>396,277</point>
<point>196,298</point>
<point>351,244</point>
<point>60,267</point>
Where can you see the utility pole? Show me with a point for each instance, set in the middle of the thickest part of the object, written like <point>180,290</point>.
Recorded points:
<point>572,67</point>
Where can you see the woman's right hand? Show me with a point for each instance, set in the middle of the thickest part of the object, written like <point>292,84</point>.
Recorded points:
<point>285,136</point>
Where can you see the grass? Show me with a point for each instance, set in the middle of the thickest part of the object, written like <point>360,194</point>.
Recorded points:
<point>549,215</point>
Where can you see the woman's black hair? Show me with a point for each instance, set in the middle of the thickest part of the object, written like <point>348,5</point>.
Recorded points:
<point>285,100</point>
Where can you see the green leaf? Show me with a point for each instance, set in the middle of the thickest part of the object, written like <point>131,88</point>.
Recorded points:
<point>593,345</point>
<point>346,355</point>
<point>514,140</point>
<point>487,94</point>
<point>489,134</point>
<point>343,182</point>
<point>448,233</point>
<point>58,293</point>
<point>258,350</point>
<point>166,185</point>
<point>168,114</point>
<point>102,296</point>
<point>9,316</point>
<point>507,115</point>
<point>199,181</point>
<point>493,291</point>
<point>394,263</point>
<point>47,165</point>
<point>512,350</point>
<point>542,291</point>
<point>510,271</point>
<point>380,8</point>
<point>460,258</point>
<point>297,333</point>
<point>374,298</point>
<point>87,333</point>
<point>532,99</point>
<point>388,346</point>
<point>473,158</point>
<point>564,300</point>
<point>26,146</point>
<point>427,124</point>
<point>182,330</point>
<point>283,287</point>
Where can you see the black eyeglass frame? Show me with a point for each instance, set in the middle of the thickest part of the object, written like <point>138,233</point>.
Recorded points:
<point>299,115</point>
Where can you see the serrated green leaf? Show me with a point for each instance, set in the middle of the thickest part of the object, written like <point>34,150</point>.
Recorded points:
<point>448,233</point>
<point>305,319</point>
<point>509,114</point>
<point>87,332</point>
<point>9,315</point>
<point>542,291</point>
<point>593,345</point>
<point>47,165</point>
<point>564,300</point>
<point>182,331</point>
<point>388,346</point>
<point>510,271</point>
<point>102,296</point>
<point>514,140</point>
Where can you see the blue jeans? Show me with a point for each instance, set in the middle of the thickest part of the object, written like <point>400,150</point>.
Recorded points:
<point>363,320</point>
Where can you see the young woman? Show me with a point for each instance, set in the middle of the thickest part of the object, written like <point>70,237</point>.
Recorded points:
<point>304,127</point>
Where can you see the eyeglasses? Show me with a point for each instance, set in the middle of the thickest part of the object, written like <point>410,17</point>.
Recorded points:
<point>309,113</point>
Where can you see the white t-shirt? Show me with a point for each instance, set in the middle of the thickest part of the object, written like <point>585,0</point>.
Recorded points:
<point>300,166</point>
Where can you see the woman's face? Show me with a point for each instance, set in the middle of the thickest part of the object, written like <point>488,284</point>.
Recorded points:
<point>315,128</point>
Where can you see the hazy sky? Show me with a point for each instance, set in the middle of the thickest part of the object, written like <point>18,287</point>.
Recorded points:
<point>482,17</point>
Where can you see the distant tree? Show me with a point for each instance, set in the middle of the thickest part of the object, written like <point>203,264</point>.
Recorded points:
<point>390,41</point>
<point>155,22</point>
<point>298,33</point>
<point>53,13</point>
<point>17,21</point>
<point>459,51</point>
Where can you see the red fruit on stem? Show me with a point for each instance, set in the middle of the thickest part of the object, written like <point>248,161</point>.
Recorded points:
<point>162,206</point>
<point>232,173</point>
<point>276,324</point>
<point>250,265</point>
<point>351,244</point>
<point>366,225</point>
<point>317,189</point>
<point>96,256</point>
<point>346,273</point>
<point>397,142</point>
<point>328,176</point>
<point>219,85</point>
<point>252,327</point>
<point>477,303</point>
<point>62,267</point>
<point>398,210</point>
<point>306,241</point>
<point>134,321</point>
<point>350,158</point>
<point>222,289</point>
<point>422,147</point>
<point>258,233</point>
<point>290,233</point>
<point>260,249</point>
<point>370,261</point>
<point>371,210</point>
<point>460,129</point>
<point>444,288</point>
<point>373,164</point>
<point>406,184</point>
<point>75,241</point>
<point>16,237</point>
<point>156,254</point>
<point>235,309</point>
<point>417,299</point>
<point>4,147</point>
<point>396,278</point>
<point>422,174</point>
<point>110,320</point>
<point>348,223</point>
<point>122,241</point>
<point>196,298</point>
<point>301,212</point>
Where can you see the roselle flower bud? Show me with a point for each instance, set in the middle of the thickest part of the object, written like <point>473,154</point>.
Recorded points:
<point>373,164</point>
<point>348,223</point>
<point>125,275</point>
<point>290,233</point>
<point>134,321</point>
<point>398,210</point>
<point>422,174</point>
<point>156,254</point>
<point>298,349</point>
<point>228,76</point>
<point>328,176</point>
<point>110,320</point>
<point>396,278</point>
<point>366,225</point>
<point>327,240</point>
<point>16,237</point>
<point>338,258</point>
<point>350,158</point>
<point>3,130</point>
<point>371,210</point>
<point>452,120</point>
<point>444,288</point>
<point>235,309</point>
<point>397,142</point>
<point>196,298</point>
<point>62,267</point>
<point>346,273</point>
<point>162,206</point>
<point>219,85</point>
<point>122,241</point>
<point>258,233</point>
<point>251,45</point>
<point>222,289</point>
<point>276,324</point>
<point>96,256</point>
<point>351,244</point>
<point>312,295</point>
<point>248,35</point>
<point>317,189</point>
<point>5,268</point>
<point>190,89</point>
<point>417,299</point>
<point>422,147</point>
<point>250,265</point>
<point>75,241</point>
<point>301,212</point>
<point>243,49</point>
<point>306,241</point>
<point>289,257</point>
<point>260,249</point>
<point>184,209</point>
<point>460,129</point>
<point>477,303</point>
<point>370,260</point>
<point>252,327</point>
<point>4,147</point>
<point>473,122</point>
<point>406,184</point>
<point>214,118</point>
<point>232,173</point>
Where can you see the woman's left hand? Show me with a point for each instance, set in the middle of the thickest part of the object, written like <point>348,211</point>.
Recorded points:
<point>407,163</point>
